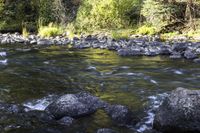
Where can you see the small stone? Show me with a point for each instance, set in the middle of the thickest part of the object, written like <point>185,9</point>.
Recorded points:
<point>106,130</point>
<point>175,55</point>
<point>67,121</point>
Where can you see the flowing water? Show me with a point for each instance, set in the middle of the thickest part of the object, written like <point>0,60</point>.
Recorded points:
<point>34,76</point>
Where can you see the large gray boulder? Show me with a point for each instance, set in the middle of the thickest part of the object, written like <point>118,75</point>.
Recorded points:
<point>179,113</point>
<point>75,105</point>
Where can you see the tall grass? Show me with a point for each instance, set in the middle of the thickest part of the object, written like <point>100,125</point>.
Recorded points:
<point>50,30</point>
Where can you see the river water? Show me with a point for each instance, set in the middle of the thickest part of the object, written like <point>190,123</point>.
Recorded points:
<point>33,76</point>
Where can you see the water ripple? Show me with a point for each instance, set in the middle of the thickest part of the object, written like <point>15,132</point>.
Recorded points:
<point>147,122</point>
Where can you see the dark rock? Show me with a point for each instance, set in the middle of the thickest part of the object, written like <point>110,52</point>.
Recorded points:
<point>121,115</point>
<point>46,130</point>
<point>179,113</point>
<point>151,51</point>
<point>44,42</point>
<point>198,50</point>
<point>165,50</point>
<point>130,51</point>
<point>106,130</point>
<point>151,131</point>
<point>75,105</point>
<point>179,47</point>
<point>39,115</point>
<point>11,108</point>
<point>190,54</point>
<point>175,55</point>
<point>67,121</point>
<point>33,42</point>
<point>197,60</point>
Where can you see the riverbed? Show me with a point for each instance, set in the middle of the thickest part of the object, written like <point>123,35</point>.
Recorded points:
<point>35,75</point>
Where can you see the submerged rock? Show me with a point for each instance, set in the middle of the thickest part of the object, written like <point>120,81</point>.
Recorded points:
<point>197,60</point>
<point>179,113</point>
<point>66,121</point>
<point>175,55</point>
<point>75,105</point>
<point>11,108</point>
<point>121,115</point>
<point>106,130</point>
<point>46,130</point>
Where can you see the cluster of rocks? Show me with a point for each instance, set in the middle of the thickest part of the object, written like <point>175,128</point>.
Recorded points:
<point>68,108</point>
<point>179,112</point>
<point>144,47</point>
<point>73,106</point>
<point>32,39</point>
<point>136,46</point>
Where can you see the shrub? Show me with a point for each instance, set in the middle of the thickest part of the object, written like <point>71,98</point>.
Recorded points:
<point>122,34</point>
<point>46,12</point>
<point>158,14</point>
<point>98,14</point>
<point>146,30</point>
<point>50,30</point>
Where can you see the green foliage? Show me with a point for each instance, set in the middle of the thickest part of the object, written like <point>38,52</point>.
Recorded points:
<point>1,5</point>
<point>50,30</point>
<point>146,30</point>
<point>45,12</point>
<point>98,14</point>
<point>121,34</point>
<point>158,14</point>
<point>14,13</point>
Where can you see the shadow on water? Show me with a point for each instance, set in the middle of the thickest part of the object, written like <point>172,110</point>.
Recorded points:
<point>33,73</point>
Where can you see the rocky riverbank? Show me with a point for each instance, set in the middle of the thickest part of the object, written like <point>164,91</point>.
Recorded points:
<point>135,46</point>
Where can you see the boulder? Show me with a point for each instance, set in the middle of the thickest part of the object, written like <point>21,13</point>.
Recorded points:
<point>106,130</point>
<point>129,51</point>
<point>75,105</point>
<point>121,115</point>
<point>179,47</point>
<point>165,50</point>
<point>179,112</point>
<point>190,54</point>
<point>44,42</point>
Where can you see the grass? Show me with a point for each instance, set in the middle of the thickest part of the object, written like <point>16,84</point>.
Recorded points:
<point>146,30</point>
<point>122,33</point>
<point>50,30</point>
<point>25,32</point>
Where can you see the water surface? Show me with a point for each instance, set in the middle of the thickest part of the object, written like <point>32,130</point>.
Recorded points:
<point>33,76</point>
